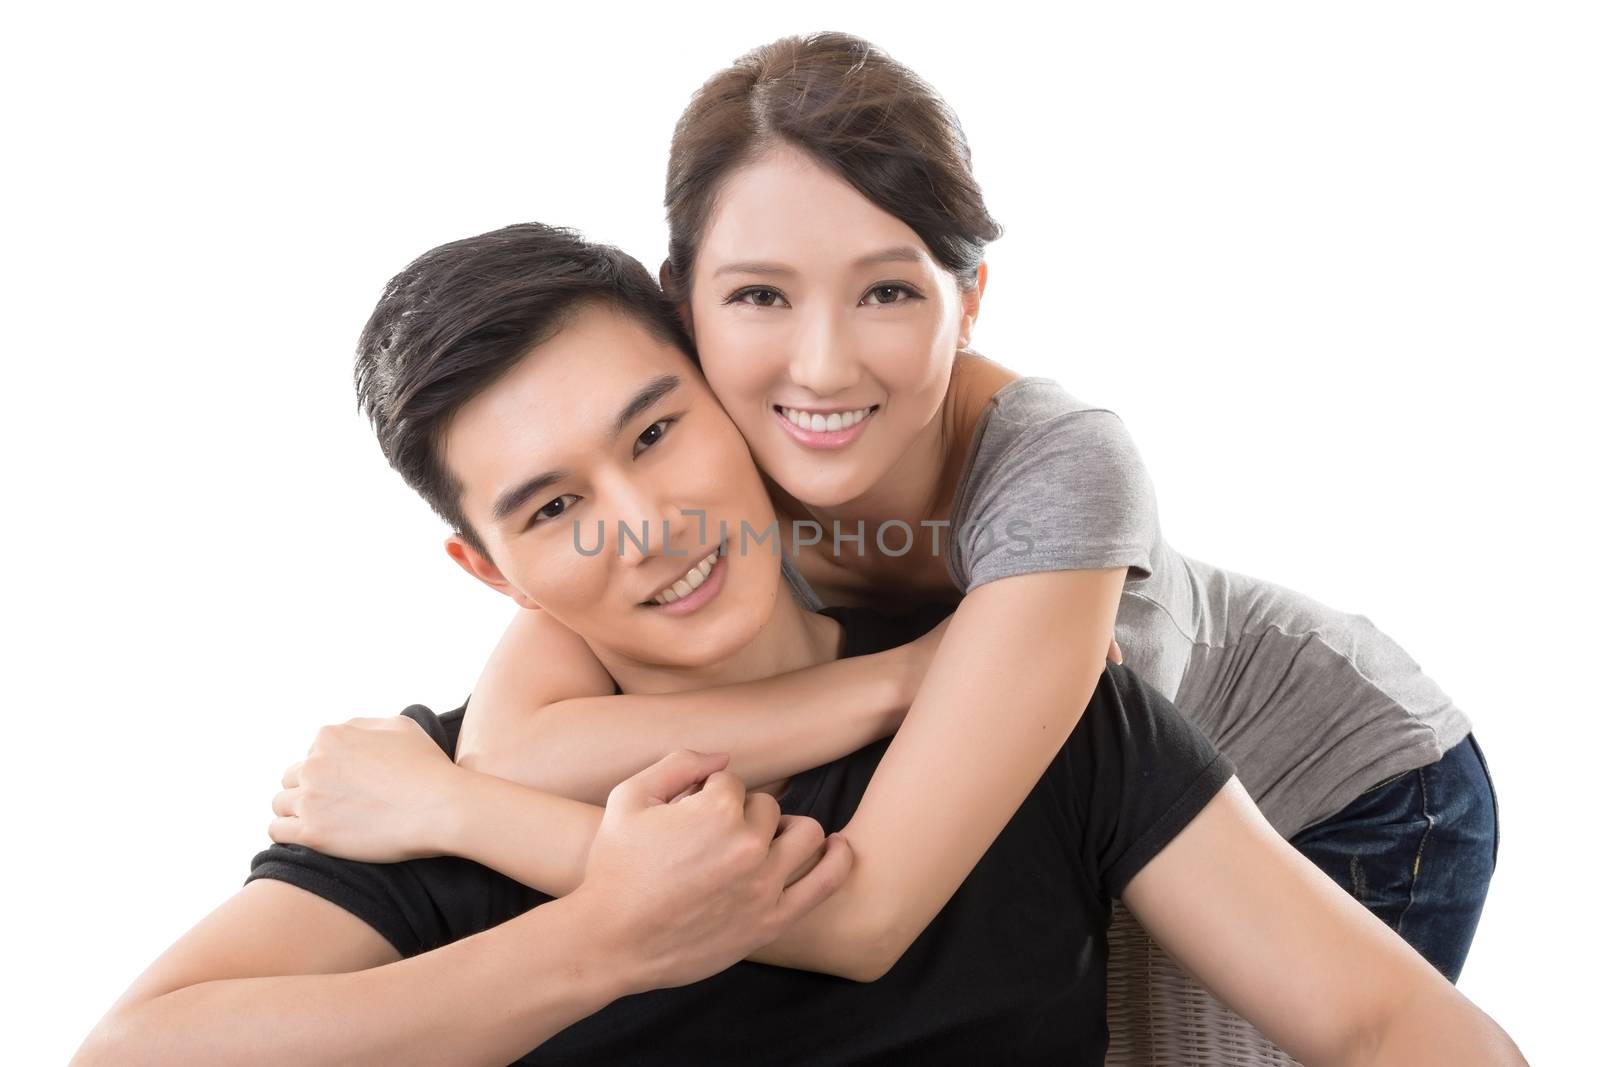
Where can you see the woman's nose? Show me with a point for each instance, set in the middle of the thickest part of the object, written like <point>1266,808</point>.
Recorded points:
<point>821,360</point>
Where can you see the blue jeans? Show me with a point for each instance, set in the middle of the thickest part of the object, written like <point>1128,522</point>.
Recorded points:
<point>1418,851</point>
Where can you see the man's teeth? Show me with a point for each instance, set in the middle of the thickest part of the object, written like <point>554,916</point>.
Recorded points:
<point>839,420</point>
<point>689,582</point>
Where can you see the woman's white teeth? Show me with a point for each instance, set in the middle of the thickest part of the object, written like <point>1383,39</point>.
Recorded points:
<point>689,582</point>
<point>839,420</point>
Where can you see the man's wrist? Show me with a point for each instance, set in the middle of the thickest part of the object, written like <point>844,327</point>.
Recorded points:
<point>613,967</point>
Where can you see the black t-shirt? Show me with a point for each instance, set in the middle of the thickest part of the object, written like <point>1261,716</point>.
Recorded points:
<point>1011,970</point>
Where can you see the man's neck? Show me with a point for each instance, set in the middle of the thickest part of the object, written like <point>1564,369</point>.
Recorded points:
<point>791,640</point>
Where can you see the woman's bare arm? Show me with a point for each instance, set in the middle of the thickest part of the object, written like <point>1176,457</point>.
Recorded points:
<point>1008,682</point>
<point>1274,938</point>
<point>544,714</point>
<point>543,842</point>
<point>382,791</point>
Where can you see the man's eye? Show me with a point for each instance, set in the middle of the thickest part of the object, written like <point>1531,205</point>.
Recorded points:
<point>652,433</point>
<point>756,296</point>
<point>889,294</point>
<point>553,509</point>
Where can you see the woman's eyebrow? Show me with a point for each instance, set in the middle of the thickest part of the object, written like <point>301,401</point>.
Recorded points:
<point>650,394</point>
<point>897,254</point>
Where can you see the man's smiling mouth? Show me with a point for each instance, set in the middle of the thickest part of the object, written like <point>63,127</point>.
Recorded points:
<point>690,581</point>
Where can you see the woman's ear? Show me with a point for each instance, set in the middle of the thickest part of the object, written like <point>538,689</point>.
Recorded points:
<point>482,568</point>
<point>685,316</point>
<point>969,306</point>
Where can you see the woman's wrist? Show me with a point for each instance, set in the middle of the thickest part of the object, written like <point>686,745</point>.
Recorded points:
<point>450,831</point>
<point>905,667</point>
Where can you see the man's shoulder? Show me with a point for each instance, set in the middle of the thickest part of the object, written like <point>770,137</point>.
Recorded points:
<point>444,729</point>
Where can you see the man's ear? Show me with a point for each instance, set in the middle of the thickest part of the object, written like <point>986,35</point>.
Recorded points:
<point>969,306</point>
<point>685,316</point>
<point>482,568</point>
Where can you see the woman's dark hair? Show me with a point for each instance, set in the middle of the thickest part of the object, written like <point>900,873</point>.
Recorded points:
<point>461,315</point>
<point>852,109</point>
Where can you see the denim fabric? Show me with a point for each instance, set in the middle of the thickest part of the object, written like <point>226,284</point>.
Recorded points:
<point>1418,851</point>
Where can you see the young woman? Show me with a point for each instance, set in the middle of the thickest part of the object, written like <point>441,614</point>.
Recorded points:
<point>826,255</point>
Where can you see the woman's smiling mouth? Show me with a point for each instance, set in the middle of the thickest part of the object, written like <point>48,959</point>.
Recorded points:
<point>824,429</point>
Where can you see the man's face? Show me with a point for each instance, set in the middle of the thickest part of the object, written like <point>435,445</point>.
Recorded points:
<point>601,427</point>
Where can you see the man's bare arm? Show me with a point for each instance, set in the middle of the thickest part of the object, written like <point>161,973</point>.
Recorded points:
<point>489,998</point>
<point>1274,938</point>
<point>674,891</point>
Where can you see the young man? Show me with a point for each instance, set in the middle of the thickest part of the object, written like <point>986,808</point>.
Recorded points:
<point>533,387</point>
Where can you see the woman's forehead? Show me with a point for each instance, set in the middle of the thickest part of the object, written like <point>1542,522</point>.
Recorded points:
<point>784,205</point>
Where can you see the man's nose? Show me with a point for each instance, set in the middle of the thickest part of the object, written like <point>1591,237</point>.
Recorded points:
<point>822,361</point>
<point>651,521</point>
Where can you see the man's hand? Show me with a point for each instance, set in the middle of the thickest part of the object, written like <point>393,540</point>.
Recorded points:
<point>689,886</point>
<point>375,790</point>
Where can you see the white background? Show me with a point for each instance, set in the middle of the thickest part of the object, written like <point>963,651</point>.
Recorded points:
<point>1335,266</point>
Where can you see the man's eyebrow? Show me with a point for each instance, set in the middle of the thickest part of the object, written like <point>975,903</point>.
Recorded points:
<point>511,500</point>
<point>897,254</point>
<point>652,392</point>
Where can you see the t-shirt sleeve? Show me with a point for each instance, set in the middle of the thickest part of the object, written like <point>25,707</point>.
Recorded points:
<point>1134,772</point>
<point>417,905</point>
<point>1056,491</point>
<point>378,894</point>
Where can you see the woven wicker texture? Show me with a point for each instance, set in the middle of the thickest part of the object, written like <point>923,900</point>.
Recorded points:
<point>1160,1017</point>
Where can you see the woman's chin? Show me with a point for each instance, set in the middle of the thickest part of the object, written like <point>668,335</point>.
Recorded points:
<point>821,485</point>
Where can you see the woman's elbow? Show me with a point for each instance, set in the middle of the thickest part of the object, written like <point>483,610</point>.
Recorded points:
<point>875,946</point>
<point>114,1040</point>
<point>859,965</point>
<point>509,761</point>
<point>846,944</point>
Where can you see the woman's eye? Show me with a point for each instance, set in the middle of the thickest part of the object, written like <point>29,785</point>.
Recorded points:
<point>554,509</point>
<point>756,297</point>
<point>889,294</point>
<point>652,433</point>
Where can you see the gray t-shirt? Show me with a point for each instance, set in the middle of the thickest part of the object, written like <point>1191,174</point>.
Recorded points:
<point>1314,706</point>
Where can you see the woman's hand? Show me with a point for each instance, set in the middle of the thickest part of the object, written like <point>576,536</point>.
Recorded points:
<point>373,790</point>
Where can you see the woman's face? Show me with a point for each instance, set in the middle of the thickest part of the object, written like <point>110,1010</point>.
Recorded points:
<point>825,326</point>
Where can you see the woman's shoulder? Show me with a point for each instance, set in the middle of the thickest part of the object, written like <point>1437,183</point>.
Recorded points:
<point>1033,421</point>
<point>1052,482</point>
<point>1007,418</point>
<point>1033,401</point>
<point>994,408</point>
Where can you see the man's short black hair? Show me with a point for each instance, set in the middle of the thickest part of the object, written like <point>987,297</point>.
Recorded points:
<point>462,315</point>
